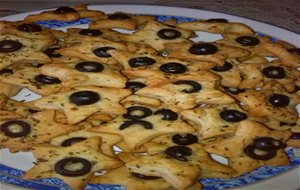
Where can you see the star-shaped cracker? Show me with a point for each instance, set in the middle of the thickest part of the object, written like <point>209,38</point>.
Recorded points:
<point>21,134</point>
<point>277,104</point>
<point>93,50</point>
<point>81,102</point>
<point>85,73</point>
<point>156,34</point>
<point>216,27</point>
<point>121,20</point>
<point>217,120</point>
<point>137,129</point>
<point>181,166</point>
<point>108,140</point>
<point>204,51</point>
<point>14,49</point>
<point>186,92</point>
<point>74,164</point>
<point>234,147</point>
<point>31,78</point>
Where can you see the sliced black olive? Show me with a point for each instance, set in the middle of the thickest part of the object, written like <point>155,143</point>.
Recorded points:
<point>9,46</point>
<point>51,52</point>
<point>267,143</point>
<point>258,154</point>
<point>90,32</point>
<point>173,68</point>
<point>203,49</point>
<point>145,177</point>
<point>296,89</point>
<point>64,9</point>
<point>179,152</point>
<point>232,90</point>
<point>217,20</point>
<point>274,72</point>
<point>89,66</point>
<point>231,115</point>
<point>30,27</point>
<point>295,136</point>
<point>168,34</point>
<point>84,97</point>
<point>279,100</point>
<point>141,61</point>
<point>137,112</point>
<point>44,79</point>
<point>184,139</point>
<point>69,166</point>
<point>73,140</point>
<point>118,16</point>
<point>247,40</point>
<point>102,51</point>
<point>145,124</point>
<point>167,114</point>
<point>195,86</point>
<point>15,128</point>
<point>32,111</point>
<point>295,51</point>
<point>225,67</point>
<point>6,71</point>
<point>134,86</point>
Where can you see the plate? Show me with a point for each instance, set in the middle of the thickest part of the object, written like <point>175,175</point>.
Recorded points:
<point>13,165</point>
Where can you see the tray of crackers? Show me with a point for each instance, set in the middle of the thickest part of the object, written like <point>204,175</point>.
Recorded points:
<point>123,97</point>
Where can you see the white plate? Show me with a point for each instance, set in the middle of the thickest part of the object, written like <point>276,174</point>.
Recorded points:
<point>289,180</point>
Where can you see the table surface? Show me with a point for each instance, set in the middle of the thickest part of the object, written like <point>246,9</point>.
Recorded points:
<point>285,14</point>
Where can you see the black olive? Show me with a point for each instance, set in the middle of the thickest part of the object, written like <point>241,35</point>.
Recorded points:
<point>64,167</point>
<point>73,140</point>
<point>279,100</point>
<point>134,86</point>
<point>84,97</point>
<point>233,115</point>
<point>217,20</point>
<point>90,32</point>
<point>15,128</point>
<point>232,90</point>
<point>295,51</point>
<point>64,9</point>
<point>173,68</point>
<point>168,34</point>
<point>102,51</point>
<point>118,16</point>
<point>9,46</point>
<point>225,67</point>
<point>44,79</point>
<point>203,49</point>
<point>51,52</point>
<point>296,89</point>
<point>141,61</point>
<point>137,112</point>
<point>6,71</point>
<point>167,114</point>
<point>195,86</point>
<point>30,27</point>
<point>145,124</point>
<point>258,154</point>
<point>145,177</point>
<point>267,143</point>
<point>274,72</point>
<point>185,139</point>
<point>295,136</point>
<point>179,152</point>
<point>32,111</point>
<point>247,40</point>
<point>89,66</point>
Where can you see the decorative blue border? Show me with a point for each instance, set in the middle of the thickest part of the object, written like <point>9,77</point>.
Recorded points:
<point>13,176</point>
